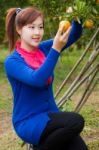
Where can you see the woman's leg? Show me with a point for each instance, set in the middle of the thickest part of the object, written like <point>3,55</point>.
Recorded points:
<point>76,144</point>
<point>63,127</point>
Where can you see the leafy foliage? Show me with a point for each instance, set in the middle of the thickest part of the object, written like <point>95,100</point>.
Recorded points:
<point>4,5</point>
<point>54,12</point>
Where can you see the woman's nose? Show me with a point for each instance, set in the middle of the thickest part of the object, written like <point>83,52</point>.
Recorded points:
<point>36,31</point>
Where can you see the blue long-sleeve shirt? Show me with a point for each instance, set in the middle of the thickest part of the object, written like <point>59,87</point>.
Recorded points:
<point>32,98</point>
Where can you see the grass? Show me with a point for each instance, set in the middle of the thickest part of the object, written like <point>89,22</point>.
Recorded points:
<point>9,140</point>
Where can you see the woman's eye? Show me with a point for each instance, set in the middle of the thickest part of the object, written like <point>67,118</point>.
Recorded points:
<point>41,27</point>
<point>32,27</point>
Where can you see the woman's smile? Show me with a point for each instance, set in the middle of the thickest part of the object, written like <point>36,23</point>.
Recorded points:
<point>36,39</point>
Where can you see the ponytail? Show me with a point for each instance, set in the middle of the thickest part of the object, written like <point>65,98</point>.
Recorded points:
<point>10,27</point>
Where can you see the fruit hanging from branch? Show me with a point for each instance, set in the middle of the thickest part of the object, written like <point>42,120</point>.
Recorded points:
<point>89,23</point>
<point>87,11</point>
<point>97,1</point>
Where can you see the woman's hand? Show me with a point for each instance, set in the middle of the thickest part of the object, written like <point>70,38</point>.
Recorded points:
<point>60,39</point>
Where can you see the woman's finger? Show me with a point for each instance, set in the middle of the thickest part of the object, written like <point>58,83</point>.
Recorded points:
<point>60,30</point>
<point>66,34</point>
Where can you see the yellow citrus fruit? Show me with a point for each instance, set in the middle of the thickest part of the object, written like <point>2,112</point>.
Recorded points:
<point>65,24</point>
<point>89,24</point>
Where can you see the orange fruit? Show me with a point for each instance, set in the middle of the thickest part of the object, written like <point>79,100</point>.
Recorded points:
<point>65,24</point>
<point>89,24</point>
<point>97,1</point>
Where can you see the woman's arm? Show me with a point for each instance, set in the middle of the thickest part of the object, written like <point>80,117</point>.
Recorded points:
<point>18,70</point>
<point>75,34</point>
<point>46,45</point>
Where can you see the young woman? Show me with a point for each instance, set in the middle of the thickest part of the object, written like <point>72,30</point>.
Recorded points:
<point>29,68</point>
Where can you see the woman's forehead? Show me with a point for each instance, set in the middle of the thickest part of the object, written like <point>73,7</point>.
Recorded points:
<point>38,20</point>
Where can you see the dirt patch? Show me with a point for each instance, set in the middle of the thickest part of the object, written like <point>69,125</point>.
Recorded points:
<point>5,123</point>
<point>90,134</point>
<point>93,98</point>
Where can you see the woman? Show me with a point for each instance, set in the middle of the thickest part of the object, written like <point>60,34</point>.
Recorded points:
<point>29,68</point>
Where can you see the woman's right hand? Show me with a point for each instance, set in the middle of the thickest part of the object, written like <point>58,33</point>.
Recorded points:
<point>61,39</point>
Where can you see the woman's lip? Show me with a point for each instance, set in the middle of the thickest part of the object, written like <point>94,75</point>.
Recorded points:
<point>36,39</point>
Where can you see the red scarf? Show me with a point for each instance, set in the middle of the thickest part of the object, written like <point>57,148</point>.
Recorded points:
<point>34,59</point>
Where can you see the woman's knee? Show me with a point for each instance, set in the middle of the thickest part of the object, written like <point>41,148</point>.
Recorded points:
<point>79,122</point>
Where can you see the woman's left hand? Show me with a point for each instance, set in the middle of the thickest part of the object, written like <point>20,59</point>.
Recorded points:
<point>61,38</point>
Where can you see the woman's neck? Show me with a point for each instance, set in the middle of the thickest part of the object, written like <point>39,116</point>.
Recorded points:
<point>27,47</point>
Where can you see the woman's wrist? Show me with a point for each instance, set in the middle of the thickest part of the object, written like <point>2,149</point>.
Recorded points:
<point>56,49</point>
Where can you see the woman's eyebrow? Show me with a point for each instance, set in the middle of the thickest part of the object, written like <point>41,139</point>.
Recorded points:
<point>38,24</point>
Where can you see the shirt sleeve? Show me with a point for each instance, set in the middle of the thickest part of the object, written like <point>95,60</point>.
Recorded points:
<point>46,45</point>
<point>19,70</point>
<point>75,34</point>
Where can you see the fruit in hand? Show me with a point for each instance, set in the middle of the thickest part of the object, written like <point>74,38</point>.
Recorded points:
<point>89,24</point>
<point>65,24</point>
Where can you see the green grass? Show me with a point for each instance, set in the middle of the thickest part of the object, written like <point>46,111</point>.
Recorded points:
<point>94,145</point>
<point>5,90</point>
<point>92,115</point>
<point>90,111</point>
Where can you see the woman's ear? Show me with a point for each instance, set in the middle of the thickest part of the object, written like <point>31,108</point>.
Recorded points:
<point>18,30</point>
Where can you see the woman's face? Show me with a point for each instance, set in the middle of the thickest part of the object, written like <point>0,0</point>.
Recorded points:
<point>32,34</point>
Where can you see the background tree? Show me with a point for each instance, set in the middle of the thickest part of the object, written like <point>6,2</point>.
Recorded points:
<point>55,11</point>
<point>4,5</point>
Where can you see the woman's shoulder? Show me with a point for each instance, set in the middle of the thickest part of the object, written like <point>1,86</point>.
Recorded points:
<point>13,56</point>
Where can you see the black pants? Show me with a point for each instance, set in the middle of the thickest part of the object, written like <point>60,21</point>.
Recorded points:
<point>62,132</point>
